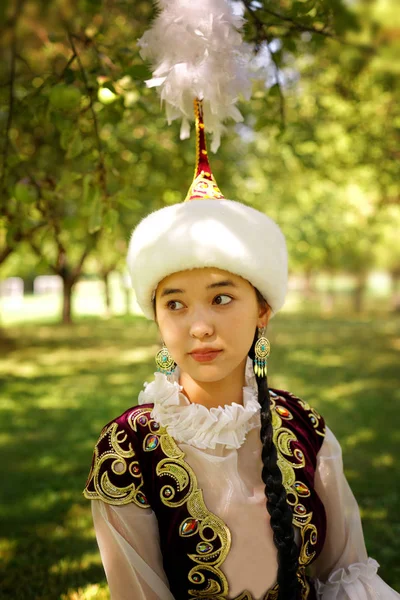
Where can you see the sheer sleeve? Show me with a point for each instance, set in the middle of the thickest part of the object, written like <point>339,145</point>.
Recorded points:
<point>343,570</point>
<point>129,545</point>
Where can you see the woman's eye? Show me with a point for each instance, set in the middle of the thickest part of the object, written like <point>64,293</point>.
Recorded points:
<point>223,296</point>
<point>171,302</point>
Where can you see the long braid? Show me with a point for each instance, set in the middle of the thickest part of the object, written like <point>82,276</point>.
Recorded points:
<point>277,506</point>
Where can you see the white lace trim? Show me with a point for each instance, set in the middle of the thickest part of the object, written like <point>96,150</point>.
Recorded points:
<point>195,424</point>
<point>358,575</point>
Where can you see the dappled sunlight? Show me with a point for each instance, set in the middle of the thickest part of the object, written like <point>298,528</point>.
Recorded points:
<point>352,474</point>
<point>86,560</point>
<point>7,549</point>
<point>138,354</point>
<point>361,436</point>
<point>41,501</point>
<point>26,369</point>
<point>343,391</point>
<point>63,384</point>
<point>332,360</point>
<point>376,514</point>
<point>119,378</point>
<point>385,460</point>
<point>89,592</point>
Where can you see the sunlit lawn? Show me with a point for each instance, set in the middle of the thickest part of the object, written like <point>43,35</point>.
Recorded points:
<point>60,385</point>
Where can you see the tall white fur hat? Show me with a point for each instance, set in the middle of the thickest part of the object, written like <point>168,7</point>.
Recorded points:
<point>198,53</point>
<point>208,233</point>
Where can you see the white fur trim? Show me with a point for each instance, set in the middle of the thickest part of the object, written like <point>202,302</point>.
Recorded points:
<point>208,233</point>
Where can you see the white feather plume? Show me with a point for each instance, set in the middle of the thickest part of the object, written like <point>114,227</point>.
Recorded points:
<point>196,50</point>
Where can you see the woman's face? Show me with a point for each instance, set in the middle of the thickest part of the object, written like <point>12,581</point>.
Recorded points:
<point>208,307</point>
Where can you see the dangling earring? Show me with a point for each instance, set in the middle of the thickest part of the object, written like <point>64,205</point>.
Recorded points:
<point>164,361</point>
<point>262,351</point>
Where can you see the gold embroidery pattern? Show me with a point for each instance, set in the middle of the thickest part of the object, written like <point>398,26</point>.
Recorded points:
<point>209,556</point>
<point>215,536</point>
<point>288,461</point>
<point>113,461</point>
<point>273,593</point>
<point>314,416</point>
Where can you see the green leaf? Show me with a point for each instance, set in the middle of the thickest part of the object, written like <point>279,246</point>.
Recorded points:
<point>25,192</point>
<point>67,178</point>
<point>10,239</point>
<point>110,220</point>
<point>86,189</point>
<point>60,121</point>
<point>140,72</point>
<point>274,90</point>
<point>96,216</point>
<point>66,137</point>
<point>128,201</point>
<point>69,76</point>
<point>56,37</point>
<point>110,86</point>
<point>65,97</point>
<point>76,146</point>
<point>302,8</point>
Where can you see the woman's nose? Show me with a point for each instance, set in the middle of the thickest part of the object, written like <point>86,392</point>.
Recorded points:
<point>200,328</point>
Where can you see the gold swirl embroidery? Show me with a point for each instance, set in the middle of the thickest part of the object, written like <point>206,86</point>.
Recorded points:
<point>273,593</point>
<point>215,536</point>
<point>288,461</point>
<point>314,416</point>
<point>101,486</point>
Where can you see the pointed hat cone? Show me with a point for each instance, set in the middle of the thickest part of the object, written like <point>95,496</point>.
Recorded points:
<point>204,186</point>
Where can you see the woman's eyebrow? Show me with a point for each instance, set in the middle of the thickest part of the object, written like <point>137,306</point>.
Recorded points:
<point>225,283</point>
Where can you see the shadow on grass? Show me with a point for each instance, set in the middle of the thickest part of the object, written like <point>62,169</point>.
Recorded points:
<point>61,385</point>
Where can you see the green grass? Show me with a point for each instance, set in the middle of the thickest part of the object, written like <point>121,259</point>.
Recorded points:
<point>60,385</point>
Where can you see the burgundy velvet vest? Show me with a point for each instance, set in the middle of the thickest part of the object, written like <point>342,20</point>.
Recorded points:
<point>135,460</point>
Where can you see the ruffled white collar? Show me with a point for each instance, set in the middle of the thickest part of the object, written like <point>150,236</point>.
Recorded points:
<point>195,424</point>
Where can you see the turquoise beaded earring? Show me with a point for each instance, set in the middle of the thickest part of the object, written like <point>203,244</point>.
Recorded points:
<point>262,351</point>
<point>164,361</point>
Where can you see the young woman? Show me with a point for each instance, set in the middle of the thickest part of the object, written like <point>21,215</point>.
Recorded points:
<point>216,486</point>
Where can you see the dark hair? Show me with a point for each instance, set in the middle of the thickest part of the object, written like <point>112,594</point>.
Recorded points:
<point>277,506</point>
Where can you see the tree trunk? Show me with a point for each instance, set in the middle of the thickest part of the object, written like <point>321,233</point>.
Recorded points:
<point>107,294</point>
<point>308,285</point>
<point>359,292</point>
<point>68,285</point>
<point>128,300</point>
<point>329,296</point>
<point>395,290</point>
<point>127,291</point>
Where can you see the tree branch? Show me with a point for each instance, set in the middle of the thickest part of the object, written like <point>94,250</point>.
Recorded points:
<point>89,247</point>
<point>296,26</point>
<point>39,253</point>
<point>5,253</point>
<point>262,34</point>
<point>101,164</point>
<point>14,20</point>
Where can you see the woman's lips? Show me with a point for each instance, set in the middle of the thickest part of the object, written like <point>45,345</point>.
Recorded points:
<point>205,356</point>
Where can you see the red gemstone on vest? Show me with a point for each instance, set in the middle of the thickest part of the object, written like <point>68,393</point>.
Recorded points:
<point>189,526</point>
<point>283,412</point>
<point>151,442</point>
<point>301,489</point>
<point>300,509</point>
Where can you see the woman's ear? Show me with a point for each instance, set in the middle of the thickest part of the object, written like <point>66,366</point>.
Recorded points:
<point>264,314</point>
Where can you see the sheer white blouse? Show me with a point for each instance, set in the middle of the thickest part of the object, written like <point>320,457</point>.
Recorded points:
<point>223,447</point>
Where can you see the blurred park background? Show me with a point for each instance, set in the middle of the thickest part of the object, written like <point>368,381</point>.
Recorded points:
<point>86,153</point>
